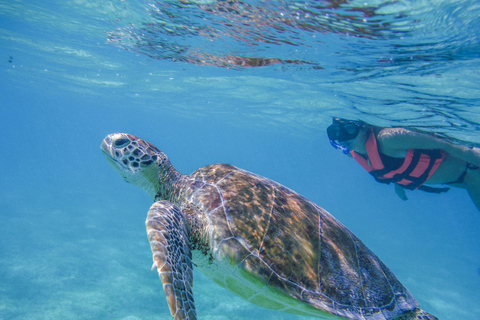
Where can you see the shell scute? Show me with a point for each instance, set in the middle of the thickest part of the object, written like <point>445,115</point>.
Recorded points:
<point>207,197</point>
<point>339,268</point>
<point>213,173</point>
<point>222,230</point>
<point>316,299</point>
<point>247,204</point>
<point>256,267</point>
<point>191,187</point>
<point>233,250</point>
<point>372,313</point>
<point>291,242</point>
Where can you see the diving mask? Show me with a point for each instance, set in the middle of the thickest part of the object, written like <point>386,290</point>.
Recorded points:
<point>343,131</point>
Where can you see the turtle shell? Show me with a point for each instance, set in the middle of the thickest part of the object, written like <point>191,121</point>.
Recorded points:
<point>282,249</point>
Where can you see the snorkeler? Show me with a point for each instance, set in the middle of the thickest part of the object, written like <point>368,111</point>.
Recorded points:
<point>408,159</point>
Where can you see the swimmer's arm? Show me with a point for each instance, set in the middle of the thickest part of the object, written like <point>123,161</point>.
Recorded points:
<point>392,141</point>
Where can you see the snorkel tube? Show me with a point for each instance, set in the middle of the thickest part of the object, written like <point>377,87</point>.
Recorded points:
<point>345,150</point>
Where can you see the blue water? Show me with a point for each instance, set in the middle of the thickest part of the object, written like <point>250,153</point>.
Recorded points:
<point>72,235</point>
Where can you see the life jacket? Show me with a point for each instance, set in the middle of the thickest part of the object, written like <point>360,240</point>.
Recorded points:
<point>417,167</point>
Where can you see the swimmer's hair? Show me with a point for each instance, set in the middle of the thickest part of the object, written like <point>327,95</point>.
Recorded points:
<point>358,122</point>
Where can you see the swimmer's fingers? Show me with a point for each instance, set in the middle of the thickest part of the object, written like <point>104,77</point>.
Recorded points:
<point>401,192</point>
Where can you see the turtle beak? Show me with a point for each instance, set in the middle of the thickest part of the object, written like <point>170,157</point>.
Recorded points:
<point>109,153</point>
<point>106,147</point>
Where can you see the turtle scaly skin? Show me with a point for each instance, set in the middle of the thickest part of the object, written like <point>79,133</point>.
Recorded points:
<point>256,238</point>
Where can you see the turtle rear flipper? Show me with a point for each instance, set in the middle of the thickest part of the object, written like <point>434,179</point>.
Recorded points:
<point>417,314</point>
<point>422,315</point>
<point>169,241</point>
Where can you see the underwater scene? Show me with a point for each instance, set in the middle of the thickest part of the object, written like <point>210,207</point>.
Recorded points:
<point>251,83</point>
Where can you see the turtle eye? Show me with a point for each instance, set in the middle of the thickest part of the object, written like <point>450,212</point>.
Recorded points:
<point>146,163</point>
<point>120,143</point>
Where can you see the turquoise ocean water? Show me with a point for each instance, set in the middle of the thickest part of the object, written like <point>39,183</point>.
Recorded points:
<point>252,83</point>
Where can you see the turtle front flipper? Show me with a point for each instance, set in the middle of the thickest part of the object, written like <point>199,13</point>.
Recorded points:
<point>169,240</point>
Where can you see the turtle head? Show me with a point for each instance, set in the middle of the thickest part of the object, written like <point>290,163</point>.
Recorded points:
<point>138,162</point>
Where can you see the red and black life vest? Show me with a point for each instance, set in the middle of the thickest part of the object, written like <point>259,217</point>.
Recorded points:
<point>411,173</point>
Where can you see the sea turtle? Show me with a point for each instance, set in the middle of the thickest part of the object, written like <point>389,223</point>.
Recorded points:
<point>256,238</point>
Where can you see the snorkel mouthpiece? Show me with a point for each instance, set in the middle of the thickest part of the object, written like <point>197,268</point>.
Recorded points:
<point>344,149</point>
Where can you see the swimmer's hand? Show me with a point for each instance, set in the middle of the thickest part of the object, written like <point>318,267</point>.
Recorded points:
<point>400,192</point>
<point>468,154</point>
